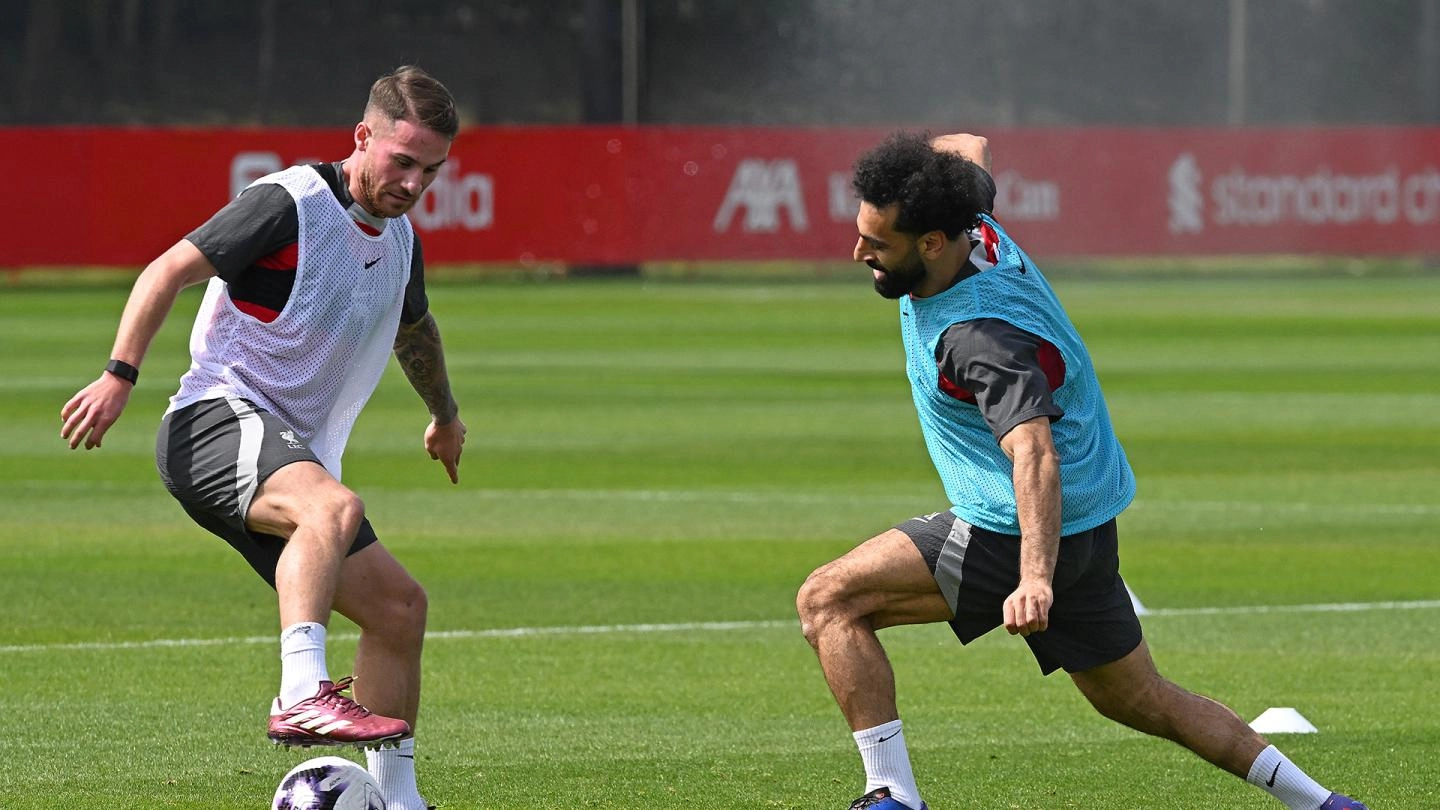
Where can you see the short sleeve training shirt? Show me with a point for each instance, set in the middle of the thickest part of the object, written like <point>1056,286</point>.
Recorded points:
<point>1007,372</point>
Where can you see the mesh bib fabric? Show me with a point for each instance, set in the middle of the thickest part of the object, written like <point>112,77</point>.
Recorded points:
<point>317,364</point>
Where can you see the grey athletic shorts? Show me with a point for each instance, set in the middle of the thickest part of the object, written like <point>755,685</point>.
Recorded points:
<point>1092,620</point>
<point>214,454</point>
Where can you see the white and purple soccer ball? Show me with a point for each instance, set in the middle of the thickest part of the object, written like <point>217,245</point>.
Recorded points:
<point>328,783</point>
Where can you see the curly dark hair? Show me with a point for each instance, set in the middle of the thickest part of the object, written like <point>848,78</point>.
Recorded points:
<point>935,190</point>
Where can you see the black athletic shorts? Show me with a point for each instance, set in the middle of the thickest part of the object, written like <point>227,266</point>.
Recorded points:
<point>214,454</point>
<point>1092,620</point>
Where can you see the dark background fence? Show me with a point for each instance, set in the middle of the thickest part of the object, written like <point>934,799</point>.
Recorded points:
<point>791,62</point>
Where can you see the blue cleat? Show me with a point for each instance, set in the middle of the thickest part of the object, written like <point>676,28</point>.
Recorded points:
<point>1339,802</point>
<point>880,799</point>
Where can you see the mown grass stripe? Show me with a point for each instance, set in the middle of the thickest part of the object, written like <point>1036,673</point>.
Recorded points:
<point>677,627</point>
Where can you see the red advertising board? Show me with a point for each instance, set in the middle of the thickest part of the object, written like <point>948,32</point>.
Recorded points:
<point>596,195</point>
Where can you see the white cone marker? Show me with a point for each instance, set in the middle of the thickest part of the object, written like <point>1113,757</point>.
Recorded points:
<point>1282,720</point>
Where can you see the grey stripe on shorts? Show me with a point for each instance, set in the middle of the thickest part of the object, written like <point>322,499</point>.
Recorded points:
<point>247,471</point>
<point>949,568</point>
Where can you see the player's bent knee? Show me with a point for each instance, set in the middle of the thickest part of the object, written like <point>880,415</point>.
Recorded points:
<point>821,600</point>
<point>417,604</point>
<point>812,595</point>
<point>404,596</point>
<point>342,511</point>
<point>332,511</point>
<point>401,611</point>
<point>348,507</point>
<point>408,612</point>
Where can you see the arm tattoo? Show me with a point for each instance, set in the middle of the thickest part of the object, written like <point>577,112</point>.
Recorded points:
<point>417,347</point>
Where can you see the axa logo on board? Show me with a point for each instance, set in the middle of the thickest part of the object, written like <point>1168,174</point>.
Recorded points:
<point>768,189</point>
<point>1321,197</point>
<point>764,188</point>
<point>456,199</point>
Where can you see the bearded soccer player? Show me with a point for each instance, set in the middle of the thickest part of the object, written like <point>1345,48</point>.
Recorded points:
<point>315,278</point>
<point>1017,427</point>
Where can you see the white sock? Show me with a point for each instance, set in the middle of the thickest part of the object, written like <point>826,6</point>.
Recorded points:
<point>1274,773</point>
<point>887,763</point>
<point>302,662</point>
<point>394,769</point>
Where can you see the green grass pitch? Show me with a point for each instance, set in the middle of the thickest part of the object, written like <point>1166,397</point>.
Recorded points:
<point>654,466</point>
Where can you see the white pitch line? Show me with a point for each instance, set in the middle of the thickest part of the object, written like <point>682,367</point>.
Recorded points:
<point>605,629</point>
<point>499,632</point>
<point>615,629</point>
<point>1338,607</point>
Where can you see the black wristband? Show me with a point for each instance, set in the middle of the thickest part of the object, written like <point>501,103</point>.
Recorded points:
<point>124,371</point>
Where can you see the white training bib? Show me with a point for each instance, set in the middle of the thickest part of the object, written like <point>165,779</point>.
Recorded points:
<point>317,364</point>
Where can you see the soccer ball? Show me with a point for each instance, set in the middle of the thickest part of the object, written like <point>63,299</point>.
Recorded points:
<point>328,783</point>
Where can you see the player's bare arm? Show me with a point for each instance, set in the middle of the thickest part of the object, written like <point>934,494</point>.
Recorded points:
<point>418,348</point>
<point>91,412</point>
<point>1031,448</point>
<point>974,148</point>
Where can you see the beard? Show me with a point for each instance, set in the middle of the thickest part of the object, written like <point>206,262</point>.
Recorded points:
<point>900,280</point>
<point>373,199</point>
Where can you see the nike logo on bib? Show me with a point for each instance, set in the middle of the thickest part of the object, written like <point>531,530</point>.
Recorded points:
<point>372,262</point>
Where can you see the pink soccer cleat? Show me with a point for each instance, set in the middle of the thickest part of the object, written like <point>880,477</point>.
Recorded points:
<point>331,718</point>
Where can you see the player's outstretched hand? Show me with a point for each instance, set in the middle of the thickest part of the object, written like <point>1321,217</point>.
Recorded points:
<point>1027,610</point>
<point>444,444</point>
<point>974,148</point>
<point>90,413</point>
